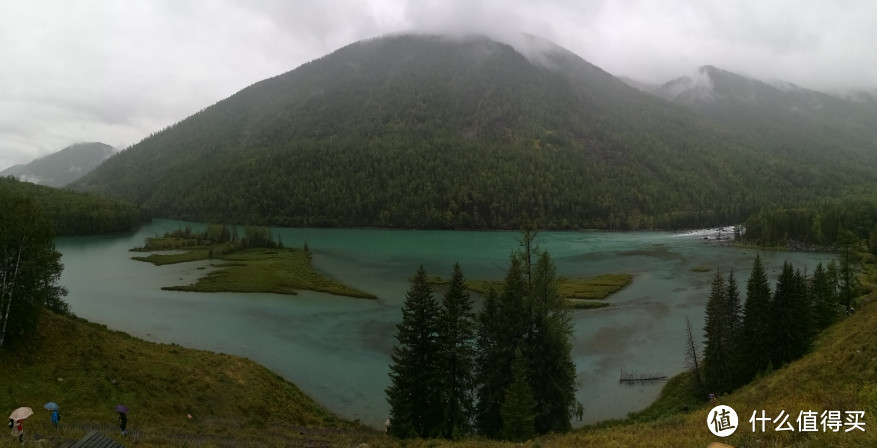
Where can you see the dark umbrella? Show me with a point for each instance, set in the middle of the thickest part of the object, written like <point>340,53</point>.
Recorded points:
<point>52,406</point>
<point>122,408</point>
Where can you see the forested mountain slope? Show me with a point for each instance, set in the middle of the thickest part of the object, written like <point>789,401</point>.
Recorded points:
<point>784,117</point>
<point>428,131</point>
<point>75,213</point>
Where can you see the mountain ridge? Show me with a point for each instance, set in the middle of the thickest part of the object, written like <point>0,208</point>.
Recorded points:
<point>62,167</point>
<point>431,132</point>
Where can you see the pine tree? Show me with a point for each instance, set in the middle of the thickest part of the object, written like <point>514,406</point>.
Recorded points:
<point>457,354</point>
<point>754,343</point>
<point>497,339</point>
<point>783,317</point>
<point>804,328</point>
<point>518,408</point>
<point>530,314</point>
<point>734,311</point>
<point>549,349</point>
<point>825,303</point>
<point>415,409</point>
<point>717,347</point>
<point>489,378</point>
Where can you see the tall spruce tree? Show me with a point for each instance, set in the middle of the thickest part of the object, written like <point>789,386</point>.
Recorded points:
<point>528,313</point>
<point>518,408</point>
<point>415,407</point>
<point>825,303</point>
<point>490,380</point>
<point>804,328</point>
<point>457,357</point>
<point>497,340</point>
<point>734,311</point>
<point>549,350</point>
<point>754,341</point>
<point>782,312</point>
<point>717,353</point>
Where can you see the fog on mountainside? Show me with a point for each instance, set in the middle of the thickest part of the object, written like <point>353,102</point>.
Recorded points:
<point>61,168</point>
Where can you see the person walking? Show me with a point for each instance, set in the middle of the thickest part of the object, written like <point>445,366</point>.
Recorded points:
<point>18,430</point>
<point>123,418</point>
<point>55,417</point>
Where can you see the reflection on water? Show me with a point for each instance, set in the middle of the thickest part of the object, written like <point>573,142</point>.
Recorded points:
<point>338,349</point>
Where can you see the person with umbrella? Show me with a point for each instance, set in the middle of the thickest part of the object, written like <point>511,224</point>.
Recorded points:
<point>55,417</point>
<point>17,416</point>
<point>123,418</point>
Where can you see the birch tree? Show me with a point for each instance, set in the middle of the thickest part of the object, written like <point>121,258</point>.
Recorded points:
<point>29,268</point>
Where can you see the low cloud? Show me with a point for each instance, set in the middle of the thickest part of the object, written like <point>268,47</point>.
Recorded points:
<point>117,71</point>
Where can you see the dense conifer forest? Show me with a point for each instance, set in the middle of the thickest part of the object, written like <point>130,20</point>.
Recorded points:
<point>74,213</point>
<point>433,132</point>
<point>505,373</point>
<point>762,331</point>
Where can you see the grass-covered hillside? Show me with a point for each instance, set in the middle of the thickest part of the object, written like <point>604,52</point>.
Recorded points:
<point>88,370</point>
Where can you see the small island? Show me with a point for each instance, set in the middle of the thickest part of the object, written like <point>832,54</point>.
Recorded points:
<point>253,263</point>
<point>580,292</point>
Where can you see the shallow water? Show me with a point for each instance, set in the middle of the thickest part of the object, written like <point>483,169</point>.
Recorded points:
<point>337,349</point>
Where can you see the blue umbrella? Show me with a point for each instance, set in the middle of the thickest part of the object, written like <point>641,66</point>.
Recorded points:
<point>122,408</point>
<point>52,406</point>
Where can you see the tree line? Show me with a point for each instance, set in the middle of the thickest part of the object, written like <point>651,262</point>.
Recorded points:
<point>217,236</point>
<point>505,372</point>
<point>837,224</point>
<point>30,268</point>
<point>745,338</point>
<point>74,213</point>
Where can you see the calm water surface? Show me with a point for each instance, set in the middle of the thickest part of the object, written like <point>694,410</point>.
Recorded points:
<point>338,349</point>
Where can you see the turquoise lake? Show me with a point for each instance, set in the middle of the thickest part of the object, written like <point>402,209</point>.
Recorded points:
<point>337,349</point>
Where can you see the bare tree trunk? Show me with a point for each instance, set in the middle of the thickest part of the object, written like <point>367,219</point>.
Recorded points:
<point>691,359</point>
<point>527,242</point>
<point>8,289</point>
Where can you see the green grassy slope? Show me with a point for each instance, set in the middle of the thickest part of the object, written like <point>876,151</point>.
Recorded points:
<point>88,370</point>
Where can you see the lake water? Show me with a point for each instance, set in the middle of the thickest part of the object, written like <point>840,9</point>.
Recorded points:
<point>337,349</point>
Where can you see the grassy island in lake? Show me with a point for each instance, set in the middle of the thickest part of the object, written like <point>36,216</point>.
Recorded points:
<point>580,292</point>
<point>258,269</point>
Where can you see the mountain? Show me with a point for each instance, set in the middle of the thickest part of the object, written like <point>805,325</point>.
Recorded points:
<point>61,168</point>
<point>778,112</point>
<point>466,132</point>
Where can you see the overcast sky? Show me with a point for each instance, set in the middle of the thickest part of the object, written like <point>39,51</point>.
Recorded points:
<point>117,70</point>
